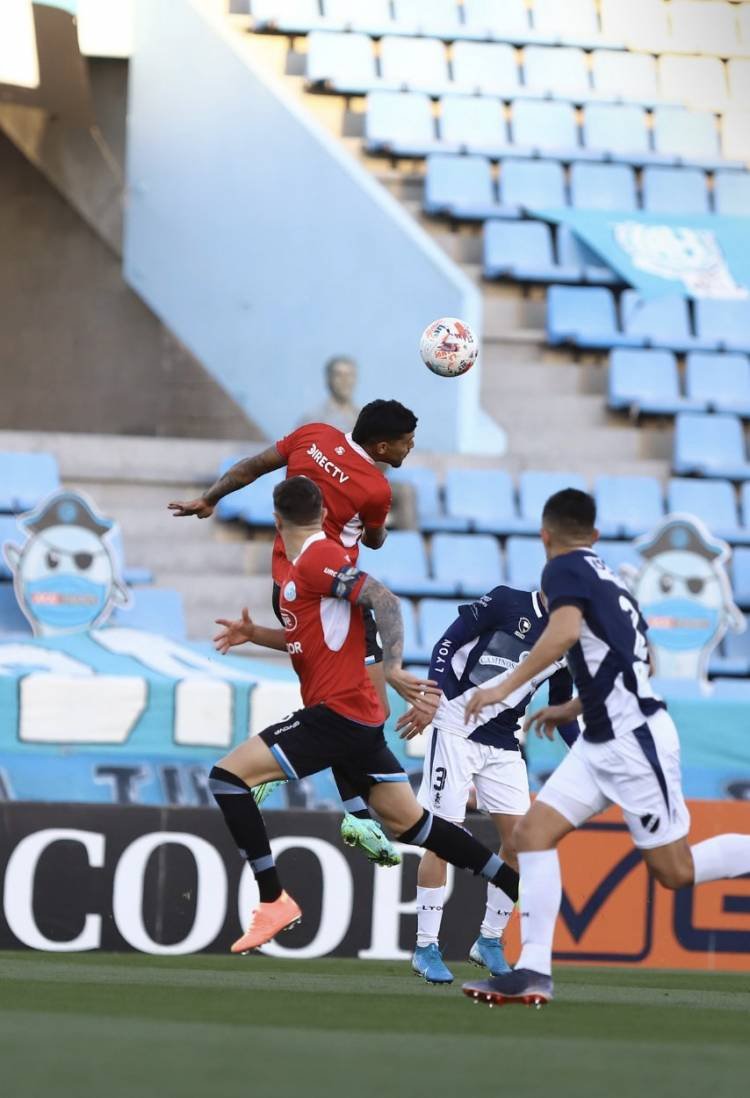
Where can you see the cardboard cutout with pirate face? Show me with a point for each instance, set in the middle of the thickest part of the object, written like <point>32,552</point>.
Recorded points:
<point>65,576</point>
<point>685,596</point>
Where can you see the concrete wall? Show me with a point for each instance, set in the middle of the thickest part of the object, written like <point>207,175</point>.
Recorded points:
<point>266,248</point>
<point>79,351</point>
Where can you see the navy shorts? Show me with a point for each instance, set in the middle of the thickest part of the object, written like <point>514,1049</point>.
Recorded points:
<point>315,738</point>
<point>373,650</point>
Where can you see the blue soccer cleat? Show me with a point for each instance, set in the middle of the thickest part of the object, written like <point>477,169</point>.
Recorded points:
<point>489,953</point>
<point>521,985</point>
<point>427,961</point>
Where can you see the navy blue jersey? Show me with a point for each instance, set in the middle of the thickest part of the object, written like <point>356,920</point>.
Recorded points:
<point>487,641</point>
<point>610,661</point>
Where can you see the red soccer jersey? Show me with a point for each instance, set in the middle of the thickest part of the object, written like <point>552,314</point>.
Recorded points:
<point>325,632</point>
<point>355,492</point>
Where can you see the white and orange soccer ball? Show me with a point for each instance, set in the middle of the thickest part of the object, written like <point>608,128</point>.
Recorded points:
<point>448,347</point>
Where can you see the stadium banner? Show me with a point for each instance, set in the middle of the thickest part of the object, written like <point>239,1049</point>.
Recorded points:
<point>170,882</point>
<point>690,255</point>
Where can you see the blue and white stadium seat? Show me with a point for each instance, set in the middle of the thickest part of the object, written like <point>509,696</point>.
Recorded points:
<point>627,506</point>
<point>713,501</point>
<point>710,446</point>
<point>524,562</point>
<point>647,382</point>
<point>483,498</point>
<point>466,564</point>
<point>603,187</point>
<point>461,187</point>
<point>674,190</point>
<point>723,323</point>
<point>720,382</point>
<point>523,251</point>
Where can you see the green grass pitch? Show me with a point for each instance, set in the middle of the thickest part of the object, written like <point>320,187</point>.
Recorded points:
<point>121,1026</point>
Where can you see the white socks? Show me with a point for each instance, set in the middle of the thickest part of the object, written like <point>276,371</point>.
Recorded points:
<point>498,912</point>
<point>540,898</point>
<point>722,856</point>
<point>429,914</point>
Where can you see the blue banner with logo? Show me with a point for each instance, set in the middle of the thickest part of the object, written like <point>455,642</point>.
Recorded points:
<point>690,255</point>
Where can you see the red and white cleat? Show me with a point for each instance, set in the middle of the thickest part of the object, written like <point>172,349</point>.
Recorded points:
<point>268,920</point>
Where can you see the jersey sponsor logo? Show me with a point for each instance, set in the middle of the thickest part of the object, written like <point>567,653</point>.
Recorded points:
<point>294,648</point>
<point>289,619</point>
<point>524,627</point>
<point>339,450</point>
<point>497,661</point>
<point>290,591</point>
<point>327,465</point>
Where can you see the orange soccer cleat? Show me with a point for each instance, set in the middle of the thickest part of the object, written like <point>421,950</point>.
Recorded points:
<point>268,920</point>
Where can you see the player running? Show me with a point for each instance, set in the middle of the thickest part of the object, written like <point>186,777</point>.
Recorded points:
<point>488,639</point>
<point>628,753</point>
<point>357,499</point>
<point>322,596</point>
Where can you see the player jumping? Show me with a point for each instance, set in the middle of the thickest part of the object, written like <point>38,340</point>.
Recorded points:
<point>357,499</point>
<point>487,640</point>
<point>322,594</point>
<point>628,753</point>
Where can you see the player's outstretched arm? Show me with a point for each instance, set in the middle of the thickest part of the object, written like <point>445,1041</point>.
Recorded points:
<point>242,473</point>
<point>562,632</point>
<point>387,610</point>
<point>243,630</point>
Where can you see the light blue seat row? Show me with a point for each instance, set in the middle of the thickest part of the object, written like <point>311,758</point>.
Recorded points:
<point>531,251</point>
<point>349,63</point>
<point>463,187</point>
<point>403,123</point>
<point>461,564</point>
<point>25,479</point>
<point>587,317</point>
<point>648,382</point>
<point>490,20</point>
<point>710,446</point>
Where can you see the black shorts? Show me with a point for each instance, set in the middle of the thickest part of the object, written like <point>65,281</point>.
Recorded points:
<point>315,738</point>
<point>373,651</point>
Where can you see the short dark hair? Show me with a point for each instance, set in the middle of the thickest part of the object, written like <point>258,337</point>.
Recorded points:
<point>298,500</point>
<point>570,513</point>
<point>383,421</point>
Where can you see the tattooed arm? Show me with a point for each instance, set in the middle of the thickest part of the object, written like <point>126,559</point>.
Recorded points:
<point>387,610</point>
<point>241,473</point>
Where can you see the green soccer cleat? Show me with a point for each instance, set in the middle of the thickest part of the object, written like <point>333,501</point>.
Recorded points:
<point>369,837</point>
<point>263,791</point>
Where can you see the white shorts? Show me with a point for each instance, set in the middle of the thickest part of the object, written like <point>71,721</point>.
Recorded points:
<point>453,763</point>
<point>638,770</point>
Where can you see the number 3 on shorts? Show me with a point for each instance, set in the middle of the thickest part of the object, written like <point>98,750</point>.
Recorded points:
<point>441,774</point>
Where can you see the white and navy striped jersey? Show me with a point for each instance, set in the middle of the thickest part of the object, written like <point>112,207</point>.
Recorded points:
<point>488,640</point>
<point>610,661</point>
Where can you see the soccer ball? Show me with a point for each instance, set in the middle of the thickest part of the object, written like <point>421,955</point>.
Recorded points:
<point>448,347</point>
